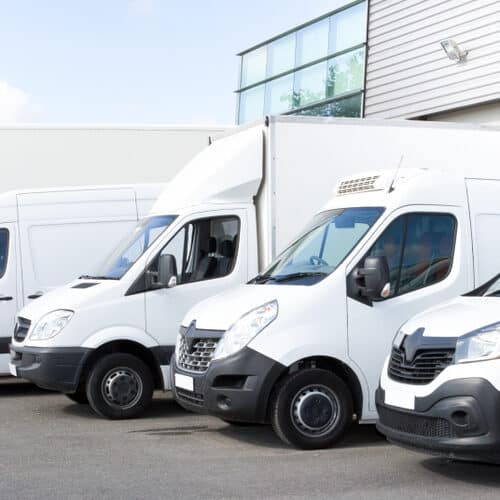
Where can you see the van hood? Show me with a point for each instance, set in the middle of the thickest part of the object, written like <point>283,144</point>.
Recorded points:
<point>221,311</point>
<point>456,317</point>
<point>73,296</point>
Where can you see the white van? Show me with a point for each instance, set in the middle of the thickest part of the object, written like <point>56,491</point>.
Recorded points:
<point>109,338</point>
<point>303,344</point>
<point>440,387</point>
<point>49,237</point>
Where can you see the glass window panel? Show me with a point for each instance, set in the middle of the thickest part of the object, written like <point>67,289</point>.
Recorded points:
<point>348,28</point>
<point>428,250</point>
<point>253,66</point>
<point>345,73</point>
<point>4,250</point>
<point>390,246</point>
<point>251,104</point>
<point>350,107</point>
<point>312,42</point>
<point>281,55</point>
<point>279,95</point>
<point>310,85</point>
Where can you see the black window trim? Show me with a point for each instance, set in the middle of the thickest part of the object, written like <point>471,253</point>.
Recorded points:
<point>7,252</point>
<point>406,215</point>
<point>236,250</point>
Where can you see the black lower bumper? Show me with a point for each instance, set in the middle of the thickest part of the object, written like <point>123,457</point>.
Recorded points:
<point>460,420</point>
<point>234,388</point>
<point>56,368</point>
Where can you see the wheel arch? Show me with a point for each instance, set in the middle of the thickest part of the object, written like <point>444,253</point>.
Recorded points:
<point>124,346</point>
<point>336,366</point>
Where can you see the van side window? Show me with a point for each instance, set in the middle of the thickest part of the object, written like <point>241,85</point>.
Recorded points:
<point>390,246</point>
<point>419,250</point>
<point>205,249</point>
<point>4,250</point>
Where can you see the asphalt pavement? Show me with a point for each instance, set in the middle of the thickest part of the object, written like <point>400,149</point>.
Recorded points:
<point>53,448</point>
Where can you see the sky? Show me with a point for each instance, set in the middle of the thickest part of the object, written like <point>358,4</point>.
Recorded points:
<point>133,61</point>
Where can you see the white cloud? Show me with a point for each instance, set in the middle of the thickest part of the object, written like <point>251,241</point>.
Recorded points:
<point>14,104</point>
<point>140,8</point>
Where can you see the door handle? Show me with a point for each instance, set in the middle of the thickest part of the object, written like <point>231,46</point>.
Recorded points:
<point>5,297</point>
<point>36,295</point>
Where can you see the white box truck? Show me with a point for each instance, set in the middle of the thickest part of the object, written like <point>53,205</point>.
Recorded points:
<point>303,344</point>
<point>40,156</point>
<point>50,237</point>
<point>109,338</point>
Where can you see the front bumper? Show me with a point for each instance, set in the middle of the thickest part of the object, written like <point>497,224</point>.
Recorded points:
<point>53,368</point>
<point>234,388</point>
<point>460,420</point>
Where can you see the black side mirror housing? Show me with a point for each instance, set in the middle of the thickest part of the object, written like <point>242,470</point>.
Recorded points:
<point>371,281</point>
<point>166,276</point>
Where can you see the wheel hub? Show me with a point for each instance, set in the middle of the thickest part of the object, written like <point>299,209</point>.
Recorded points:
<point>314,410</point>
<point>122,387</point>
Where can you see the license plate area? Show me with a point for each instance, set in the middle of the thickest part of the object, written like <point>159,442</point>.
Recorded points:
<point>184,382</point>
<point>400,399</point>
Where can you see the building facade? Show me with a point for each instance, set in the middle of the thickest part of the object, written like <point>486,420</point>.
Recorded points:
<point>381,59</point>
<point>317,68</point>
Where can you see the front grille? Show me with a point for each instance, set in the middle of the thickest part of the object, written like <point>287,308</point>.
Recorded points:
<point>431,427</point>
<point>423,369</point>
<point>21,328</point>
<point>195,354</point>
<point>190,397</point>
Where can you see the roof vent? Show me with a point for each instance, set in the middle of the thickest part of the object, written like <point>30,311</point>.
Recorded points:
<point>358,185</point>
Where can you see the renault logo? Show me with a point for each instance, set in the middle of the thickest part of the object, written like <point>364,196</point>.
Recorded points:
<point>189,335</point>
<point>411,344</point>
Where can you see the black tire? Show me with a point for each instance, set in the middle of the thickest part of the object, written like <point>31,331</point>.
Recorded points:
<point>311,409</point>
<point>78,397</point>
<point>119,386</point>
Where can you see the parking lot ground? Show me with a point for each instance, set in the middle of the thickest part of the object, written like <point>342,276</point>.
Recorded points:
<point>53,448</point>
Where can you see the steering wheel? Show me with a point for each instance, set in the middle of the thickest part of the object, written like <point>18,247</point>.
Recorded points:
<point>314,260</point>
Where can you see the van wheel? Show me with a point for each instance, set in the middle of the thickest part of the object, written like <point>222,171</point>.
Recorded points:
<point>78,397</point>
<point>311,409</point>
<point>119,386</point>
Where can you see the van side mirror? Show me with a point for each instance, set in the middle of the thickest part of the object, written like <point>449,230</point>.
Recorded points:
<point>166,276</point>
<point>371,281</point>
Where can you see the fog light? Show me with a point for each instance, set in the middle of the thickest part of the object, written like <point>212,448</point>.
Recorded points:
<point>223,402</point>
<point>460,418</point>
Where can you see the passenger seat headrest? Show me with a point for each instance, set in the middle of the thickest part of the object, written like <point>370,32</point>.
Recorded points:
<point>212,244</point>
<point>227,249</point>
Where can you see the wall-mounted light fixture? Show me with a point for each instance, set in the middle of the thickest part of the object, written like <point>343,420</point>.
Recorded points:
<point>453,51</point>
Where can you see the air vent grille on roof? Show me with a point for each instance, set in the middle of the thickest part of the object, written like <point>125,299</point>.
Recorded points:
<point>357,185</point>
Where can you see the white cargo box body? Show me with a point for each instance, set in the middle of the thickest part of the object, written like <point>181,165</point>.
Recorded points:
<point>305,157</point>
<point>40,156</point>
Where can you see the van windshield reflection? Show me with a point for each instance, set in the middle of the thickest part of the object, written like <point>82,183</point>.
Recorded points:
<point>320,249</point>
<point>132,247</point>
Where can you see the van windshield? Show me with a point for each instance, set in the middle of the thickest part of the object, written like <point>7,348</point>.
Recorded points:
<point>324,244</point>
<point>132,247</point>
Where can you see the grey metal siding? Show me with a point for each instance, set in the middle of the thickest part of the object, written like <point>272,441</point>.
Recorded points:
<point>408,73</point>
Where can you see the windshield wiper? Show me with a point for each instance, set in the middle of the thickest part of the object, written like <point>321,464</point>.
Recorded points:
<point>88,277</point>
<point>261,278</point>
<point>496,293</point>
<point>293,276</point>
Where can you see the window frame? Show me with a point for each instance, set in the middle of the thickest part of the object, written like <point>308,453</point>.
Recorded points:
<point>406,216</point>
<point>185,253</point>
<point>7,251</point>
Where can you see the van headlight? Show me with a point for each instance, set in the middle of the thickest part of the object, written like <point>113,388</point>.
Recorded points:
<point>481,344</point>
<point>51,324</point>
<point>245,329</point>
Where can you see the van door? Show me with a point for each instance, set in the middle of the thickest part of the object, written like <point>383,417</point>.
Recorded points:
<point>8,295</point>
<point>429,254</point>
<point>211,256</point>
